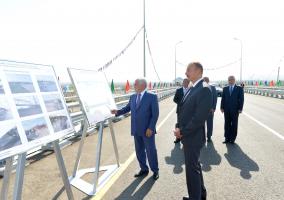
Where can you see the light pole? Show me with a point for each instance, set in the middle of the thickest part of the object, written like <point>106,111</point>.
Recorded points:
<point>278,72</point>
<point>144,35</point>
<point>241,58</point>
<point>176,61</point>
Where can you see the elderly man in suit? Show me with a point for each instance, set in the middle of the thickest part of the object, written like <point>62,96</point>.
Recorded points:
<point>144,115</point>
<point>232,105</point>
<point>209,121</point>
<point>193,112</point>
<point>178,97</point>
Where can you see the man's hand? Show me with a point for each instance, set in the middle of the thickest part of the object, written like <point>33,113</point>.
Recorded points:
<point>177,133</point>
<point>113,112</point>
<point>222,110</point>
<point>149,132</point>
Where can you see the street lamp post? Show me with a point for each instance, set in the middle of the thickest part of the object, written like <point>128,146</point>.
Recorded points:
<point>241,58</point>
<point>176,61</point>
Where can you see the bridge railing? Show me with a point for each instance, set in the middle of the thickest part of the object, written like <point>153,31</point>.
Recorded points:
<point>276,92</point>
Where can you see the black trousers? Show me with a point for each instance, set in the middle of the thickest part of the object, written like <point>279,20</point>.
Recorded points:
<point>231,125</point>
<point>209,124</point>
<point>194,177</point>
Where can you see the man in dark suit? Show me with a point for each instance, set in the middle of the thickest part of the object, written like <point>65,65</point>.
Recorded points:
<point>144,115</point>
<point>193,112</point>
<point>178,97</point>
<point>232,105</point>
<point>209,121</point>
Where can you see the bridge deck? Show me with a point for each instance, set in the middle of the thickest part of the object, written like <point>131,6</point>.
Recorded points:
<point>253,168</point>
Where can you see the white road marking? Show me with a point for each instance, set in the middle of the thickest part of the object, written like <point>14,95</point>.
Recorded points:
<point>100,194</point>
<point>265,126</point>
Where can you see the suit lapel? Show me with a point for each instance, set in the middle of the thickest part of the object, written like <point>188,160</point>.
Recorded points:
<point>141,101</point>
<point>191,92</point>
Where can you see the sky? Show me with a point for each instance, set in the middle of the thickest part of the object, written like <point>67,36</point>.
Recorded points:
<point>87,34</point>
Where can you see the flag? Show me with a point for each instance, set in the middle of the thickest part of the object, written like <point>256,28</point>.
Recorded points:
<point>150,86</point>
<point>256,83</point>
<point>154,85</point>
<point>158,85</point>
<point>127,87</point>
<point>112,87</point>
<point>260,83</point>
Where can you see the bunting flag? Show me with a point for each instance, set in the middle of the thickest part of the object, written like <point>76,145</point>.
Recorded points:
<point>112,87</point>
<point>154,85</point>
<point>127,87</point>
<point>105,66</point>
<point>158,85</point>
<point>279,83</point>
<point>256,83</point>
<point>150,86</point>
<point>260,83</point>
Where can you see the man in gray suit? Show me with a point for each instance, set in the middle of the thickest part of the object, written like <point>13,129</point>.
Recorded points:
<point>193,112</point>
<point>209,121</point>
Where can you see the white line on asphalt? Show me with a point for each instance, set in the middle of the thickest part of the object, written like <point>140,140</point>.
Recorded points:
<point>265,126</point>
<point>124,166</point>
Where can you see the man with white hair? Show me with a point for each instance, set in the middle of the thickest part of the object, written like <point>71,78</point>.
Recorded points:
<point>144,116</point>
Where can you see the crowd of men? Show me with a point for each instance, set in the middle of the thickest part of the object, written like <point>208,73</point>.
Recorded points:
<point>196,104</point>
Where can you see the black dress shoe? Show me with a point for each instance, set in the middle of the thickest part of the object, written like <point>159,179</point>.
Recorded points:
<point>185,198</point>
<point>177,141</point>
<point>156,175</point>
<point>209,140</point>
<point>141,173</point>
<point>226,141</point>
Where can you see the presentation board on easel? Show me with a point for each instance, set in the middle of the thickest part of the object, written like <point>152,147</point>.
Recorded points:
<point>94,93</point>
<point>97,102</point>
<point>33,113</point>
<point>32,107</point>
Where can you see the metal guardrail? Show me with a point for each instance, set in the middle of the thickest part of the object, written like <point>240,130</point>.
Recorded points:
<point>77,117</point>
<point>276,92</point>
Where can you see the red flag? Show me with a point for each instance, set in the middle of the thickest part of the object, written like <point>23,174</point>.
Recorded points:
<point>150,86</point>
<point>256,83</point>
<point>127,87</point>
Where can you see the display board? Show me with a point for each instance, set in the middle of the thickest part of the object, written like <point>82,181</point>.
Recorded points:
<point>94,93</point>
<point>32,108</point>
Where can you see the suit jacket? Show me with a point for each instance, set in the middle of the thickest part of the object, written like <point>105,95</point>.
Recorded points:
<point>214,96</point>
<point>143,117</point>
<point>193,112</point>
<point>178,97</point>
<point>233,102</point>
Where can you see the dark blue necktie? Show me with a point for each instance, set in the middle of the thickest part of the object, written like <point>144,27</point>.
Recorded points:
<point>231,90</point>
<point>138,100</point>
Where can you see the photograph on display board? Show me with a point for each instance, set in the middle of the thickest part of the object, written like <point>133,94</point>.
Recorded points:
<point>46,83</point>
<point>20,83</point>
<point>9,136</point>
<point>1,87</point>
<point>59,122</point>
<point>53,102</point>
<point>27,105</point>
<point>35,128</point>
<point>97,105</point>
<point>5,112</point>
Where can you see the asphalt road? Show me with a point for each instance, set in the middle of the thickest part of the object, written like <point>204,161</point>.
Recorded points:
<point>252,169</point>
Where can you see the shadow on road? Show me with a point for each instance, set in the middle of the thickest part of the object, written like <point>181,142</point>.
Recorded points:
<point>176,159</point>
<point>238,159</point>
<point>133,192</point>
<point>209,156</point>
